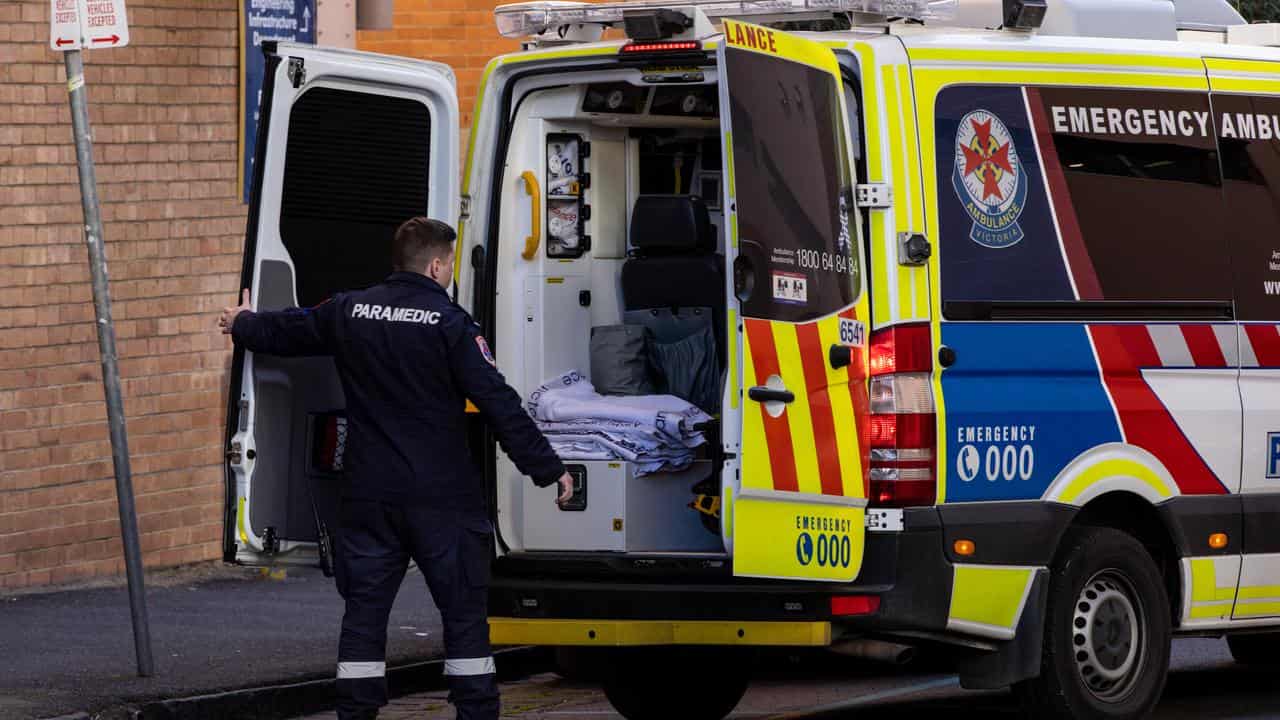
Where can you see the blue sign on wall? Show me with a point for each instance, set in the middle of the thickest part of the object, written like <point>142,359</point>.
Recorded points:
<point>261,20</point>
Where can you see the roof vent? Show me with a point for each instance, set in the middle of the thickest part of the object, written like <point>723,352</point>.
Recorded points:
<point>1136,19</point>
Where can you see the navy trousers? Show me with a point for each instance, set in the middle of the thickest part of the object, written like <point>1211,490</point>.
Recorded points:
<point>453,550</point>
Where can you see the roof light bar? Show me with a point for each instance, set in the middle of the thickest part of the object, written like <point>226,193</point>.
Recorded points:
<point>535,18</point>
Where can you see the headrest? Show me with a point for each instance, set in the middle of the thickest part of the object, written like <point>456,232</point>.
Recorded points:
<point>672,225</point>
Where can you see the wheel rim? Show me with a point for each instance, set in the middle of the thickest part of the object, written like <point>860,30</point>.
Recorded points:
<point>1107,633</point>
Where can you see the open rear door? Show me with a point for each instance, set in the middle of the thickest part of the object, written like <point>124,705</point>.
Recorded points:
<point>349,146</point>
<point>798,508</point>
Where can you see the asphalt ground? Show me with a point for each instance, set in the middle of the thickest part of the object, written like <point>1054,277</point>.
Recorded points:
<point>217,628</point>
<point>213,628</point>
<point>1203,683</point>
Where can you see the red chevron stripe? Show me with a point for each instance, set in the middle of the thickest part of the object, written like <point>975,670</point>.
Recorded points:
<point>777,430</point>
<point>1123,350</point>
<point>1266,344</point>
<point>1204,346</point>
<point>814,358</point>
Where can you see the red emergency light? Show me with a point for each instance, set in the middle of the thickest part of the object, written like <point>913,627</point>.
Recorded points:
<point>638,48</point>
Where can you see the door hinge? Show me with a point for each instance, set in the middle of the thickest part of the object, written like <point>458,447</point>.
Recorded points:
<point>234,454</point>
<point>875,196</point>
<point>913,249</point>
<point>464,207</point>
<point>885,520</point>
<point>296,71</point>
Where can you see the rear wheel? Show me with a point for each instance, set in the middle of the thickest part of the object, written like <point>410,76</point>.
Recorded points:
<point>667,682</point>
<point>579,664</point>
<point>1107,631</point>
<point>1259,649</point>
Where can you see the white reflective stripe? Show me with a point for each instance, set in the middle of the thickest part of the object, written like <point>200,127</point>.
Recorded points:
<point>351,670</point>
<point>1171,346</point>
<point>470,666</point>
<point>1247,356</point>
<point>1226,335</point>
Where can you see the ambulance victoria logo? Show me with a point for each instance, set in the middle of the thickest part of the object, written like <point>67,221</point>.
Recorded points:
<point>989,179</point>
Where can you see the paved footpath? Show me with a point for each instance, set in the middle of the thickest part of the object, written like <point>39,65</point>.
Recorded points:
<point>213,628</point>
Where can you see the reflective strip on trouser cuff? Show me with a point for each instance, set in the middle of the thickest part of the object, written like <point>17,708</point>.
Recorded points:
<point>470,666</point>
<point>354,670</point>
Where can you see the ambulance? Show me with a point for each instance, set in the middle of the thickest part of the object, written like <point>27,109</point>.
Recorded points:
<point>993,288</point>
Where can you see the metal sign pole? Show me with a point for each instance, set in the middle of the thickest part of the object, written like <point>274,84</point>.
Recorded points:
<point>110,370</point>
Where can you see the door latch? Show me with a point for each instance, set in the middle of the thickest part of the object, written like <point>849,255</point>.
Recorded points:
<point>768,394</point>
<point>913,249</point>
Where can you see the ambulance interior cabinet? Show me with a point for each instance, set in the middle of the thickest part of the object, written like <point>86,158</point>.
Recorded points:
<point>622,513</point>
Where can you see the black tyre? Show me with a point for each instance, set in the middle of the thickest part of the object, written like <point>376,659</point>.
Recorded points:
<point>690,683</point>
<point>1257,649</point>
<point>580,664</point>
<point>1107,631</point>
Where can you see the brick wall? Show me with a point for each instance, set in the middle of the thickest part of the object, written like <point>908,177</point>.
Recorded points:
<point>459,33</point>
<point>164,112</point>
<point>165,127</point>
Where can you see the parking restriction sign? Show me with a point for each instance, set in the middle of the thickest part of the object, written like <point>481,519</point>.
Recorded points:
<point>76,24</point>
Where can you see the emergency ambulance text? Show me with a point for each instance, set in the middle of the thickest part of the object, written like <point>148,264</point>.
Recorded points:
<point>756,38</point>
<point>995,433</point>
<point>395,314</point>
<point>1148,122</point>
<point>821,524</point>
<point>998,452</point>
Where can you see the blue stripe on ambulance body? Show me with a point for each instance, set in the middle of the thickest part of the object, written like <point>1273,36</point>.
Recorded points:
<point>1022,401</point>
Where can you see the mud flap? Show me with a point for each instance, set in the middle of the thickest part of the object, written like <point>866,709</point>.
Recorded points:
<point>1017,659</point>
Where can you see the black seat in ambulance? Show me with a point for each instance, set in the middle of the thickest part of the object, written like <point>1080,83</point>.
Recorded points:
<point>673,282</point>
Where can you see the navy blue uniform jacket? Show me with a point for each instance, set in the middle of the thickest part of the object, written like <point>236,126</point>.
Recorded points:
<point>408,358</point>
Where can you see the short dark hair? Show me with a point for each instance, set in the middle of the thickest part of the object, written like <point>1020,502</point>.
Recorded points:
<point>420,240</point>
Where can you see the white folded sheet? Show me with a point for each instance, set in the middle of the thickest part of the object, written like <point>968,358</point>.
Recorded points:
<point>656,432</point>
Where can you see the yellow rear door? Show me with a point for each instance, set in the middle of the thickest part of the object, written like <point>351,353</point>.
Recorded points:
<point>799,418</point>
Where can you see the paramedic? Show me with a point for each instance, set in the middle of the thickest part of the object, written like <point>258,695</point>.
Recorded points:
<point>408,359</point>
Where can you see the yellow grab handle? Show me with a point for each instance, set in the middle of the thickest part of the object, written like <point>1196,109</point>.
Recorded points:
<point>535,204</point>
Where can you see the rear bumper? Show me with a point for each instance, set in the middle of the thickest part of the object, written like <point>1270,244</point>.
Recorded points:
<point>688,601</point>
<point>625,633</point>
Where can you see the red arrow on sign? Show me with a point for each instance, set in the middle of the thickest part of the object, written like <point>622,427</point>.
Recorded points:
<point>113,39</point>
<point>64,41</point>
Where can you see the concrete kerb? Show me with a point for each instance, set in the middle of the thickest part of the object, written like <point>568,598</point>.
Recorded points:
<point>290,700</point>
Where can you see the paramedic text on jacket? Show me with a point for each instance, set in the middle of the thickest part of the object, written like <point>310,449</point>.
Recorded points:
<point>408,359</point>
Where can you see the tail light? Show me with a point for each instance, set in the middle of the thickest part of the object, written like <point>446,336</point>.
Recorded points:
<point>845,605</point>
<point>903,423</point>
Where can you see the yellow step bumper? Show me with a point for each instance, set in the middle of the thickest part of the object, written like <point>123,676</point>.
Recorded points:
<point>617,633</point>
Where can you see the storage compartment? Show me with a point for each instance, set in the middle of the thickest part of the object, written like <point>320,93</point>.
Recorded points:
<point>620,179</point>
<point>622,512</point>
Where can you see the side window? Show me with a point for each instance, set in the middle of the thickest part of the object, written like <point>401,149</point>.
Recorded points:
<point>356,166</point>
<point>794,190</point>
<point>1062,194</point>
<point>1146,190</point>
<point>1249,139</point>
